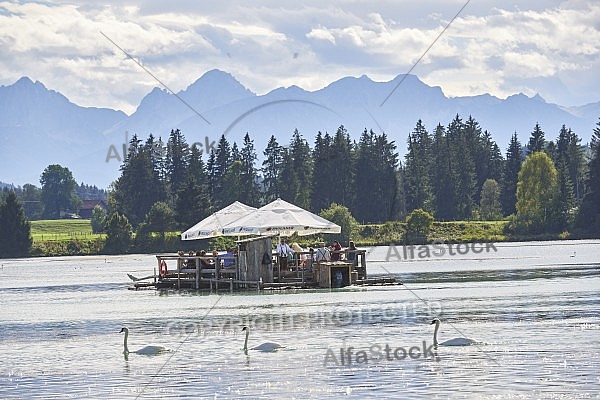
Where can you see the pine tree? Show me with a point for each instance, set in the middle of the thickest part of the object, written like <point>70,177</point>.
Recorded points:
<point>139,185</point>
<point>217,169</point>
<point>387,173</point>
<point>376,166</point>
<point>158,153</point>
<point>178,155</point>
<point>442,184</point>
<point>160,219</point>
<point>417,169</point>
<point>342,186</point>
<point>537,142</point>
<point>325,173</point>
<point>479,148</point>
<point>235,153</point>
<point>514,160</point>
<point>249,175</point>
<point>490,160</point>
<point>569,150</point>
<point>119,234</point>
<point>272,170</point>
<point>15,230</point>
<point>362,208</point>
<point>298,172</point>
<point>193,198</point>
<point>565,200</point>
<point>463,168</point>
<point>233,182</point>
<point>589,213</point>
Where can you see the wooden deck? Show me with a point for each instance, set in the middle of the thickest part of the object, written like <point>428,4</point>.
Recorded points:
<point>222,273</point>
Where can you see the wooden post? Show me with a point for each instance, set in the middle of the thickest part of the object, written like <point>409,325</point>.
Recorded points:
<point>198,272</point>
<point>217,272</point>
<point>363,264</point>
<point>178,273</point>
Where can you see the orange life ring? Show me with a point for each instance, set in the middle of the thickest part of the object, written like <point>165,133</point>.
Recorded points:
<point>163,268</point>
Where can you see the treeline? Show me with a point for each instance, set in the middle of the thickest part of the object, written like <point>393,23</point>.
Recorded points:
<point>446,172</point>
<point>336,170</point>
<point>47,201</point>
<point>457,172</point>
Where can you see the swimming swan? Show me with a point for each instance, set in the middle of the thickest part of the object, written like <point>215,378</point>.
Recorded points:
<point>147,350</point>
<point>265,347</point>
<point>460,341</point>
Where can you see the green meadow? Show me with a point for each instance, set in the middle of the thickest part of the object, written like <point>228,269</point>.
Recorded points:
<point>75,237</point>
<point>62,229</point>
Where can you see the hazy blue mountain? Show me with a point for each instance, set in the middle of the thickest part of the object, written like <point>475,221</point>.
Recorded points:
<point>39,127</point>
<point>160,111</point>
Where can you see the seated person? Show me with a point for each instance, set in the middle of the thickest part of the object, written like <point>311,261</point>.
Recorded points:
<point>205,262</point>
<point>322,253</point>
<point>228,258</point>
<point>189,262</point>
<point>335,251</point>
<point>351,253</point>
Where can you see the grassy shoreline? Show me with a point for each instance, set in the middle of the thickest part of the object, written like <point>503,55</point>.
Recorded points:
<point>75,237</point>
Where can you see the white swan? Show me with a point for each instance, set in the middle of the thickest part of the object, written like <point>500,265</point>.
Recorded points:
<point>146,350</point>
<point>459,341</point>
<point>265,347</point>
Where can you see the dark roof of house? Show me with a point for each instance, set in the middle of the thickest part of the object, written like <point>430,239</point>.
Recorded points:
<point>90,204</point>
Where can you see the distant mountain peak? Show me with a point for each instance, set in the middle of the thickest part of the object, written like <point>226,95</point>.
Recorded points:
<point>215,79</point>
<point>58,131</point>
<point>539,98</point>
<point>27,82</point>
<point>24,80</point>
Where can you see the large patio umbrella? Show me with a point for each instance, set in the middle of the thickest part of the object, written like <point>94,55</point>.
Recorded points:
<point>280,217</point>
<point>212,225</point>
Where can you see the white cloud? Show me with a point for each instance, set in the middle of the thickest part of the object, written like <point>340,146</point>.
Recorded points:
<point>488,48</point>
<point>321,34</point>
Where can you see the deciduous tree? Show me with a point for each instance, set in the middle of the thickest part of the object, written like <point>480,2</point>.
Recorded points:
<point>536,193</point>
<point>490,207</point>
<point>58,191</point>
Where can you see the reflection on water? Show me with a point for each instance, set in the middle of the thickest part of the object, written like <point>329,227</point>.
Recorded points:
<point>534,306</point>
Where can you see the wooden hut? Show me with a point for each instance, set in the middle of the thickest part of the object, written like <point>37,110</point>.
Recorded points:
<point>255,259</point>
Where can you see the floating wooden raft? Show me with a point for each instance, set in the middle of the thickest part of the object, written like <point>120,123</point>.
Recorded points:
<point>377,281</point>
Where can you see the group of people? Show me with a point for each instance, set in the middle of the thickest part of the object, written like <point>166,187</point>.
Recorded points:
<point>226,260</point>
<point>322,253</point>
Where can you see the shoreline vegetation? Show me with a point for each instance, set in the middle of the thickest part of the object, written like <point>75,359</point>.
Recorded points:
<point>75,237</point>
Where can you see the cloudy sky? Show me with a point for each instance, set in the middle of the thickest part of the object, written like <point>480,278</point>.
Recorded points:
<point>500,47</point>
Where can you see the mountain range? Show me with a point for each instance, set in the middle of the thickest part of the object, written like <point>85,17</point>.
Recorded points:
<point>39,126</point>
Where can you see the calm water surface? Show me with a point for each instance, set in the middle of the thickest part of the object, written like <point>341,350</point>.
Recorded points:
<point>533,306</point>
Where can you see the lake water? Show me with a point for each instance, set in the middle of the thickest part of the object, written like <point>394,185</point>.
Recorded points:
<point>534,308</point>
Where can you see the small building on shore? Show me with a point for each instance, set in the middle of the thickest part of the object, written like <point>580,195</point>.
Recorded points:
<point>87,207</point>
<point>255,259</point>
